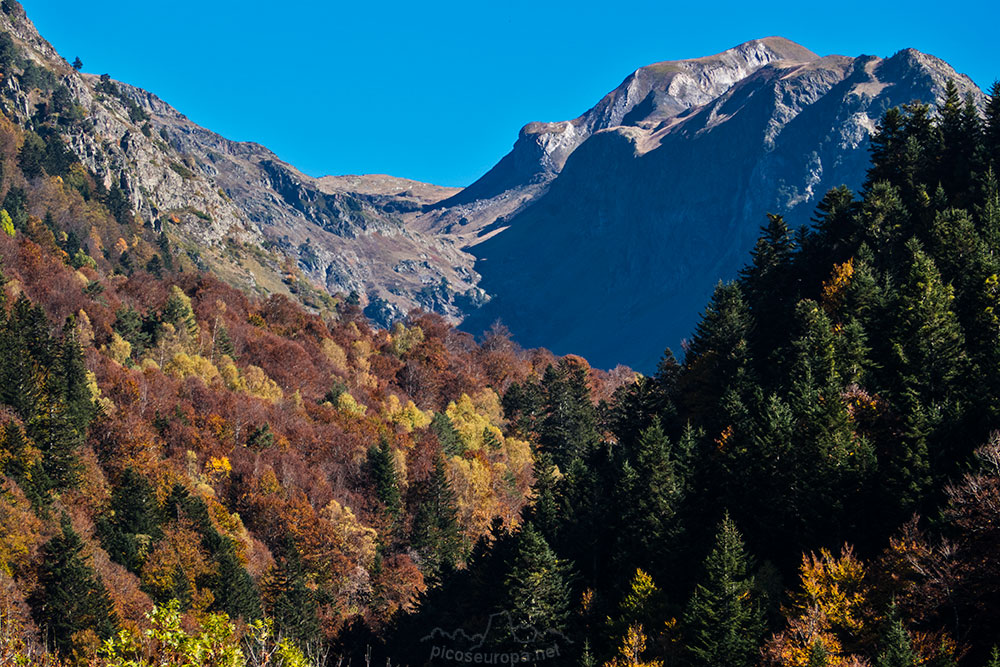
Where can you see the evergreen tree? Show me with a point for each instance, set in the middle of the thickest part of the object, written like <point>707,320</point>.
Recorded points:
<point>288,600</point>
<point>992,127</point>
<point>69,380</point>
<point>177,311</point>
<point>53,432</point>
<point>522,407</point>
<point>896,649</point>
<point>544,512</point>
<point>536,590</point>
<point>649,495</point>
<point>927,339</point>
<point>384,481</point>
<point>818,656</point>
<point>448,437</point>
<point>718,360</point>
<point>70,597</point>
<point>234,589</point>
<point>836,233</point>
<point>723,622</point>
<point>568,428</point>
<point>132,522</point>
<point>436,532</point>
<point>770,286</point>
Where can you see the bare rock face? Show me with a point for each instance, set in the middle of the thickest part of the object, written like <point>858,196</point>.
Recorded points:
<point>620,249</point>
<point>344,234</point>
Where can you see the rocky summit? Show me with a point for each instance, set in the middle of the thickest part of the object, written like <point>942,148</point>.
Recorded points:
<point>636,209</point>
<point>601,235</point>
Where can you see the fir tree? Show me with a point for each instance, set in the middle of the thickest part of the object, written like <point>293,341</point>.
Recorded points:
<point>288,600</point>
<point>384,481</point>
<point>992,126</point>
<point>52,431</point>
<point>896,649</point>
<point>723,622</point>
<point>649,494</point>
<point>69,380</point>
<point>70,597</point>
<point>132,522</point>
<point>568,428</point>
<point>448,437</point>
<point>769,285</point>
<point>718,360</point>
<point>436,532</point>
<point>544,513</point>
<point>536,590</point>
<point>234,589</point>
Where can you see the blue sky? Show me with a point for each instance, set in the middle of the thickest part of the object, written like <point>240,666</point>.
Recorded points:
<point>437,91</point>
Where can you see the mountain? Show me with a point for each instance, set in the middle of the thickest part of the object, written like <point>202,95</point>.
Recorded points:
<point>638,207</point>
<point>602,235</point>
<point>238,209</point>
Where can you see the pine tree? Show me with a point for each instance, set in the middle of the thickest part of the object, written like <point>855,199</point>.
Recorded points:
<point>132,522</point>
<point>649,495</point>
<point>896,649</point>
<point>992,127</point>
<point>723,622</point>
<point>70,597</point>
<point>288,600</point>
<point>568,428</point>
<point>436,532</point>
<point>718,360</point>
<point>382,473</point>
<point>536,590</point>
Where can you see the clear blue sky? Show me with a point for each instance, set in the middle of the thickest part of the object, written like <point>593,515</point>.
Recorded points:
<point>437,91</point>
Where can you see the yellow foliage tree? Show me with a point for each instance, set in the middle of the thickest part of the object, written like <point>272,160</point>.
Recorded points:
<point>346,403</point>
<point>175,564</point>
<point>631,649</point>
<point>259,384</point>
<point>183,365</point>
<point>835,288</point>
<point>832,611</point>
<point>473,419</point>
<point>357,540</point>
<point>336,356</point>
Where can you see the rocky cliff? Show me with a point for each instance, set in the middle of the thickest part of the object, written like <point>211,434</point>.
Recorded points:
<point>631,230</point>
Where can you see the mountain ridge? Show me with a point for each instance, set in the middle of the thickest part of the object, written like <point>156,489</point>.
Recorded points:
<point>767,124</point>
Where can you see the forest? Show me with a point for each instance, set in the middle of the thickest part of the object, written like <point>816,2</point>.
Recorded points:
<point>191,474</point>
